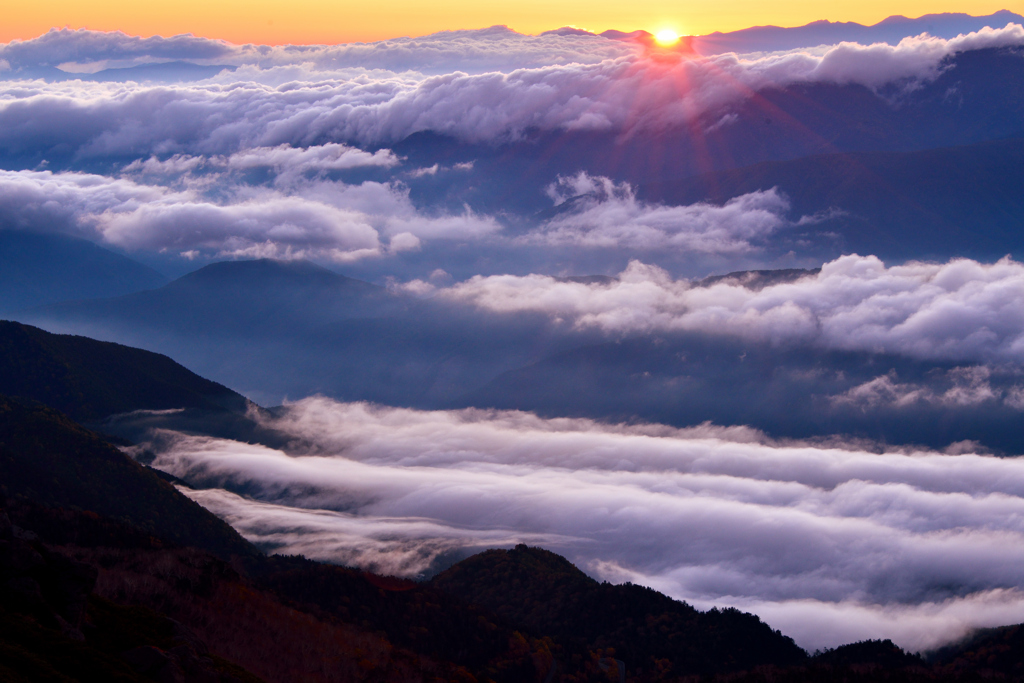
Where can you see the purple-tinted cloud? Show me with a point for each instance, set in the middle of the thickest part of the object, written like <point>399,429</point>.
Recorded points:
<point>833,543</point>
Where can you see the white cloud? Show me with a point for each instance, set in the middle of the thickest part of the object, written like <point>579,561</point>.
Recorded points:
<point>311,219</point>
<point>967,386</point>
<point>617,88</point>
<point>290,165</point>
<point>608,215</point>
<point>845,541</point>
<point>497,48</point>
<point>960,310</point>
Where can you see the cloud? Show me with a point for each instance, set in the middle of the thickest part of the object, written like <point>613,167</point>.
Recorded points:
<point>60,46</point>
<point>289,165</point>
<point>497,48</point>
<point>203,205</point>
<point>965,386</point>
<point>606,215</point>
<point>368,102</point>
<point>394,546</point>
<point>959,310</point>
<point>709,514</point>
<point>311,219</point>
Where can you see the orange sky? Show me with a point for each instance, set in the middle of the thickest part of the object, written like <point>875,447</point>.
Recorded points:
<point>326,21</point>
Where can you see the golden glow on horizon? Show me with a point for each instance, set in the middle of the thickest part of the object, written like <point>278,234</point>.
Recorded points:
<point>666,37</point>
<point>336,21</point>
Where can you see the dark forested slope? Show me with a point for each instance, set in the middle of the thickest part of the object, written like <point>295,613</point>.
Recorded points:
<point>649,631</point>
<point>89,379</point>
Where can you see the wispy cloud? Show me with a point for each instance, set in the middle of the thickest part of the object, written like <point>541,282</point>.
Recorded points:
<point>607,215</point>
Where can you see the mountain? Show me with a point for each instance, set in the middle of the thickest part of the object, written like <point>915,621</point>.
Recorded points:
<point>246,297</point>
<point>44,268</point>
<point>940,203</point>
<point>890,30</point>
<point>111,536</point>
<point>307,331</point>
<point>49,460</point>
<point>787,390</point>
<point>275,329</point>
<point>91,380</point>
<point>642,627</point>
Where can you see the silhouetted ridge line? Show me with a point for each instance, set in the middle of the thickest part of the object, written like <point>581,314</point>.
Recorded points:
<point>90,380</point>
<point>547,594</point>
<point>47,459</point>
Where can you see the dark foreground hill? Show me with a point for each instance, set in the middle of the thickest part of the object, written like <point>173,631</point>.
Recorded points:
<point>649,631</point>
<point>90,380</point>
<point>109,573</point>
<point>113,535</point>
<point>49,460</point>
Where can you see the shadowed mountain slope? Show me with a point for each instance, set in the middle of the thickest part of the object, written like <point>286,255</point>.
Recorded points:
<point>404,351</point>
<point>956,201</point>
<point>49,460</point>
<point>90,380</point>
<point>787,391</point>
<point>40,268</point>
<point>279,329</point>
<point>547,594</point>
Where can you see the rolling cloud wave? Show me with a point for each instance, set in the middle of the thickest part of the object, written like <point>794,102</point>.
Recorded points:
<point>959,310</point>
<point>345,101</point>
<point>828,541</point>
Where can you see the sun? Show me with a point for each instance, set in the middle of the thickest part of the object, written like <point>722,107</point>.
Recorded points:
<point>666,37</point>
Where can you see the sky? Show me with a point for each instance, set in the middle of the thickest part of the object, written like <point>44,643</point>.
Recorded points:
<point>274,22</point>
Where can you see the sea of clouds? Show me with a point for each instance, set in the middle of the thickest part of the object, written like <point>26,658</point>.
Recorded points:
<point>168,168</point>
<point>829,541</point>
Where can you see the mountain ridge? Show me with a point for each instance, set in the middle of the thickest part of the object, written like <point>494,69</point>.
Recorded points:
<point>39,268</point>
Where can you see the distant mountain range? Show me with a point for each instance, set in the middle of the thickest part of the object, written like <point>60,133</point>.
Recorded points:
<point>755,39</point>
<point>890,30</point>
<point>933,204</point>
<point>160,72</point>
<point>38,268</point>
<point>292,329</point>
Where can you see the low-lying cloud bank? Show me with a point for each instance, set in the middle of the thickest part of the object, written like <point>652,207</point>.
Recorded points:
<point>214,215</point>
<point>298,96</point>
<point>497,48</point>
<point>959,310</point>
<point>201,206</point>
<point>830,543</point>
<point>608,215</point>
